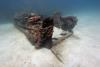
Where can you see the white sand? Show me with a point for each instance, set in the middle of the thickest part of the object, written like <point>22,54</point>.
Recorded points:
<point>16,51</point>
<point>80,50</point>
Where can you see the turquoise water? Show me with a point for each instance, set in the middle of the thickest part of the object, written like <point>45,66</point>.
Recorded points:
<point>8,8</point>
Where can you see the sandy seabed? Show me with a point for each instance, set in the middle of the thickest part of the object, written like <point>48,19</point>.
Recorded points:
<point>80,50</point>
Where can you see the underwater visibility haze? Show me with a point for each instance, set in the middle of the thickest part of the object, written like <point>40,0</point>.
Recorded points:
<point>10,7</point>
<point>80,50</point>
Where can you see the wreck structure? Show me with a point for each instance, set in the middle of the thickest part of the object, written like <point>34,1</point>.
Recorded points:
<point>66,23</point>
<point>39,29</point>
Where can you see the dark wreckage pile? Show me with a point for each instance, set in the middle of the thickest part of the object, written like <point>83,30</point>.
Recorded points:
<point>39,28</point>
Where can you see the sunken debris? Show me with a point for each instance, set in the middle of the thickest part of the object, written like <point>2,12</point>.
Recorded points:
<point>66,23</point>
<point>39,29</point>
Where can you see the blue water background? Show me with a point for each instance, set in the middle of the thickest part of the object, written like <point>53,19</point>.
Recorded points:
<point>8,8</point>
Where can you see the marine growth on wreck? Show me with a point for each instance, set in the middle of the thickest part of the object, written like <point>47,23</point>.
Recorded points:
<point>39,28</point>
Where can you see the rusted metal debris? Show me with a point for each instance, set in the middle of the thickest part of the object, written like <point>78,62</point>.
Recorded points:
<point>39,29</point>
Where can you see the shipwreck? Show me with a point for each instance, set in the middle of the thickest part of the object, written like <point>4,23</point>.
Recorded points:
<point>39,28</point>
